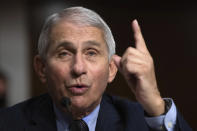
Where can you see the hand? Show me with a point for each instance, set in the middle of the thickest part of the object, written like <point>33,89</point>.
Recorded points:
<point>137,67</point>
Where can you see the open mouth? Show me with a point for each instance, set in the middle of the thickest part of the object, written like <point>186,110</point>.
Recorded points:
<point>79,86</point>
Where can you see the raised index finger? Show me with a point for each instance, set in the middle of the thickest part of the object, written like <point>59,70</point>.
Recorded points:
<point>139,40</point>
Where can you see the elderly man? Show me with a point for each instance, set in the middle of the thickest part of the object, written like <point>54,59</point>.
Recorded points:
<point>76,61</point>
<point>3,89</point>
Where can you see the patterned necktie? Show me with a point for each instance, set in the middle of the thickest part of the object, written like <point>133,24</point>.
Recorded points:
<point>78,125</point>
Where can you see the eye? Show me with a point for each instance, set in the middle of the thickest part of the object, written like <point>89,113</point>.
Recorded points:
<point>91,52</point>
<point>63,54</point>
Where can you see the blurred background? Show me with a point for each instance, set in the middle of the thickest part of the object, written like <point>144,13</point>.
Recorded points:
<point>169,29</point>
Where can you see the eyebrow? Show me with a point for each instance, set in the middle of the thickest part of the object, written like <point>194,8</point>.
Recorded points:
<point>70,45</point>
<point>92,43</point>
<point>66,44</point>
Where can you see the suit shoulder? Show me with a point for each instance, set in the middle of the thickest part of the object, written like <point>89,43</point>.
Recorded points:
<point>17,117</point>
<point>17,110</point>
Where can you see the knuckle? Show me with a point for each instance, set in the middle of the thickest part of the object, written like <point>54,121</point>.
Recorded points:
<point>129,50</point>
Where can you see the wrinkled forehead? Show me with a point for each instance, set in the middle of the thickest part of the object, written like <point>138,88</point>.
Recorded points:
<point>78,23</point>
<point>68,26</point>
<point>65,31</point>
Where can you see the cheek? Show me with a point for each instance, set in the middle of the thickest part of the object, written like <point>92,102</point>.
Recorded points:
<point>54,74</point>
<point>55,77</point>
<point>100,76</point>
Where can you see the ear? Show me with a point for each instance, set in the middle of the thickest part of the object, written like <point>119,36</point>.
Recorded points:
<point>40,68</point>
<point>112,70</point>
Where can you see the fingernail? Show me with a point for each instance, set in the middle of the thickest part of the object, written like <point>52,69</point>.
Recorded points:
<point>135,21</point>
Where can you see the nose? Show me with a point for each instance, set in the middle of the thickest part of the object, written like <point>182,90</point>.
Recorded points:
<point>78,67</point>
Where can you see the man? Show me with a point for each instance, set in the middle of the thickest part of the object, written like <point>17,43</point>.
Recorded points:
<point>3,89</point>
<point>76,61</point>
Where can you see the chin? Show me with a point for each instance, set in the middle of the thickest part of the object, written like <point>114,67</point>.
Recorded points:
<point>79,103</point>
<point>83,104</point>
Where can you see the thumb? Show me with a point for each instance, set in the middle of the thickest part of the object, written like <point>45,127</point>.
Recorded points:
<point>117,60</point>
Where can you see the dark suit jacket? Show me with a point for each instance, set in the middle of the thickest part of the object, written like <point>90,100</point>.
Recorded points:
<point>116,114</point>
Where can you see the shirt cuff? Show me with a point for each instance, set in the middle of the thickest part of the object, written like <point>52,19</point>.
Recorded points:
<point>166,121</point>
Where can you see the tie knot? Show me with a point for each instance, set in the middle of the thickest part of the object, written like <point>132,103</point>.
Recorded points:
<point>78,125</point>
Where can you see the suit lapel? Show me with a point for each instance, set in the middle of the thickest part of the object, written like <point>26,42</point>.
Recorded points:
<point>109,118</point>
<point>41,116</point>
<point>122,115</point>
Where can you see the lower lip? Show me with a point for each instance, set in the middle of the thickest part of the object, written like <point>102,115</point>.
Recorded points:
<point>78,91</point>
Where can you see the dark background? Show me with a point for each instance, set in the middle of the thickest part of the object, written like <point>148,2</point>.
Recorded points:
<point>170,32</point>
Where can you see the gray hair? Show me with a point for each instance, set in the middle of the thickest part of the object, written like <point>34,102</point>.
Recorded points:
<point>80,16</point>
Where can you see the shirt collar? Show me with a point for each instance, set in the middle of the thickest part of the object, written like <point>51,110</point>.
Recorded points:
<point>91,119</point>
<point>64,119</point>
